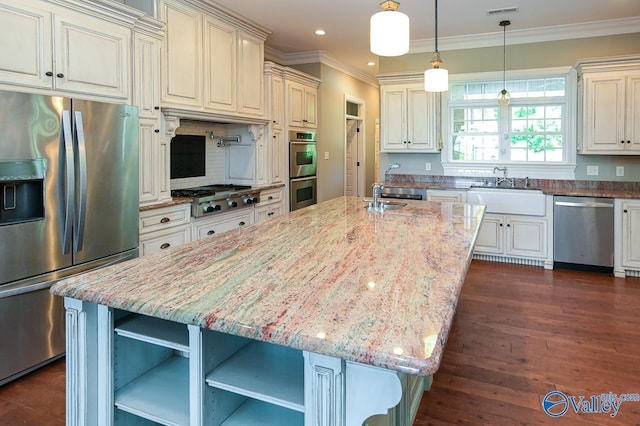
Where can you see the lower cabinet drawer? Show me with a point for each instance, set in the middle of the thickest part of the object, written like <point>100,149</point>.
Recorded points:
<point>161,240</point>
<point>164,217</point>
<point>203,228</point>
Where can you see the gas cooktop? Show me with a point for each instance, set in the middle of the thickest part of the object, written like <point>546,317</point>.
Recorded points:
<point>211,199</point>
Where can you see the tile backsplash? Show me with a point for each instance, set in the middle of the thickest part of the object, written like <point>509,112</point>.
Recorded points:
<point>216,166</point>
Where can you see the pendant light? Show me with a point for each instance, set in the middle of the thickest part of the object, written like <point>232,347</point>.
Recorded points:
<point>436,79</point>
<point>504,97</point>
<point>389,30</point>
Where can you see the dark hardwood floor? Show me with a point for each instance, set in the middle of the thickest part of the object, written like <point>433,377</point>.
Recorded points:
<point>519,333</point>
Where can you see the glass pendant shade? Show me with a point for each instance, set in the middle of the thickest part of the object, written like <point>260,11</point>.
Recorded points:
<point>436,80</point>
<point>389,33</point>
<point>504,97</point>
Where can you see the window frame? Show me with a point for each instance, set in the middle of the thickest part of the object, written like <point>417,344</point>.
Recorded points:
<point>541,170</point>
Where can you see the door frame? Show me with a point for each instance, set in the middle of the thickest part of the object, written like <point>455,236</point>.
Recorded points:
<point>361,145</point>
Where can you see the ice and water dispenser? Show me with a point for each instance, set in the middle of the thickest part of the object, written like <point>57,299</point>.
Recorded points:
<point>21,191</point>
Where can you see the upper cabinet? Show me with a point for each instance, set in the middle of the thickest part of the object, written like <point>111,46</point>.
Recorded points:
<point>302,104</point>
<point>212,62</point>
<point>609,107</point>
<point>409,117</point>
<point>55,49</point>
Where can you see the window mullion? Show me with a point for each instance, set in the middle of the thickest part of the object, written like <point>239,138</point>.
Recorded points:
<point>505,154</point>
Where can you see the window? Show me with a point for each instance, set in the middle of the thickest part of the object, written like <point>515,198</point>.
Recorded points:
<point>533,130</point>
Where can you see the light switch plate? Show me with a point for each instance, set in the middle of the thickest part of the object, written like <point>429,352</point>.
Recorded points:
<point>427,167</point>
<point>619,170</point>
<point>326,155</point>
<point>593,170</point>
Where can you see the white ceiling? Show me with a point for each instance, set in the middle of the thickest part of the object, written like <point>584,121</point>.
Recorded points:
<point>461,23</point>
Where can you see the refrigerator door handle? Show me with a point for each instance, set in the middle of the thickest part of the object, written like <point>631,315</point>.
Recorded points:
<point>66,141</point>
<point>82,180</point>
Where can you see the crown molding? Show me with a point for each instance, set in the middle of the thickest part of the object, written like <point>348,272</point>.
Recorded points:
<point>315,56</point>
<point>535,35</point>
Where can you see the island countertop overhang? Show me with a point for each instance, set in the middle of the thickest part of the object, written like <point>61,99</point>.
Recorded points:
<point>335,279</point>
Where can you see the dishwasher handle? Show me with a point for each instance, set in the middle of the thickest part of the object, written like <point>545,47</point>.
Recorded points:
<point>590,204</point>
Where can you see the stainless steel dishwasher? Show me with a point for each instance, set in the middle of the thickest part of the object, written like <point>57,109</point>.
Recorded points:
<point>583,231</point>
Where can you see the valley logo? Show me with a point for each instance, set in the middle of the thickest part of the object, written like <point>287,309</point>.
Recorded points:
<point>557,403</point>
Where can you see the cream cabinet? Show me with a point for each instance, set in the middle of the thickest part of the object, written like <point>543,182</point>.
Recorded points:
<point>511,235</point>
<point>272,149</point>
<point>222,222</point>
<point>52,48</point>
<point>627,237</point>
<point>408,118</point>
<point>446,195</point>
<point>164,227</point>
<point>146,76</point>
<point>271,204</point>
<point>154,163</point>
<point>609,106</point>
<point>212,62</point>
<point>302,103</point>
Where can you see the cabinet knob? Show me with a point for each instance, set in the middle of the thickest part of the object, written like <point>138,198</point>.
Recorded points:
<point>165,246</point>
<point>621,141</point>
<point>274,136</point>
<point>157,130</point>
<point>156,108</point>
<point>60,75</point>
<point>628,141</point>
<point>48,73</point>
<point>211,232</point>
<point>165,220</point>
<point>241,224</point>
<point>270,197</point>
<point>508,225</point>
<point>408,141</point>
<point>626,211</point>
<point>500,224</point>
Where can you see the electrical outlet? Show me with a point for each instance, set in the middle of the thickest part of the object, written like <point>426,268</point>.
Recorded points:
<point>326,155</point>
<point>593,170</point>
<point>427,167</point>
<point>619,170</point>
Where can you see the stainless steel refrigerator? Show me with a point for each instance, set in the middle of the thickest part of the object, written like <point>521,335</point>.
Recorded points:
<point>68,204</point>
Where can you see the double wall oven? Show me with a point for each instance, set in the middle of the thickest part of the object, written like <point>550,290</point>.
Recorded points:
<point>303,161</point>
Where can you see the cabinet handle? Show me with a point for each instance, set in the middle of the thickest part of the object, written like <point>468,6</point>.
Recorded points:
<point>48,73</point>
<point>165,246</point>
<point>626,211</point>
<point>165,220</point>
<point>156,108</point>
<point>211,232</point>
<point>157,130</point>
<point>60,75</point>
<point>241,224</point>
<point>270,197</point>
<point>305,121</point>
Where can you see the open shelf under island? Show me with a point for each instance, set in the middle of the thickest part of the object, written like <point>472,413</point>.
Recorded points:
<point>329,315</point>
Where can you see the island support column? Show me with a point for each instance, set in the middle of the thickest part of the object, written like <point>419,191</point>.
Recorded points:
<point>339,393</point>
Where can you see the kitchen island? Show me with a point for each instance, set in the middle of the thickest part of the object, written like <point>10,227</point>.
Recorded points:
<point>324,316</point>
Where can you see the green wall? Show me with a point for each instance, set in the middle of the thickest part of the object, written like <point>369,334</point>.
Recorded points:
<point>519,57</point>
<point>331,126</point>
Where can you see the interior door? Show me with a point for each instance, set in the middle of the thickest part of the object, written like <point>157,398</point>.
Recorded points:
<point>107,181</point>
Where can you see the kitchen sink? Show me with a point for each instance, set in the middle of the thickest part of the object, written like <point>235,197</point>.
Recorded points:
<point>530,202</point>
<point>386,204</point>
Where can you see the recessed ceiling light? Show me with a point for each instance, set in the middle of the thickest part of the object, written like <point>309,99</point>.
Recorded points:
<point>320,32</point>
<point>371,63</point>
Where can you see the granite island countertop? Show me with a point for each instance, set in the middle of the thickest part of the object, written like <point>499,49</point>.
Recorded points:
<point>375,288</point>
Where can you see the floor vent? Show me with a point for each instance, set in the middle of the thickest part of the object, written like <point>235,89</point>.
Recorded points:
<point>503,259</point>
<point>630,273</point>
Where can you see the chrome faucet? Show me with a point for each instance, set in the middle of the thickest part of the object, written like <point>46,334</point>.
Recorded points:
<point>377,190</point>
<point>504,177</point>
<point>392,166</point>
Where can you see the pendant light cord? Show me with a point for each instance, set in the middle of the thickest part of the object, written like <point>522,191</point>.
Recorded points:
<point>504,57</point>
<point>436,25</point>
